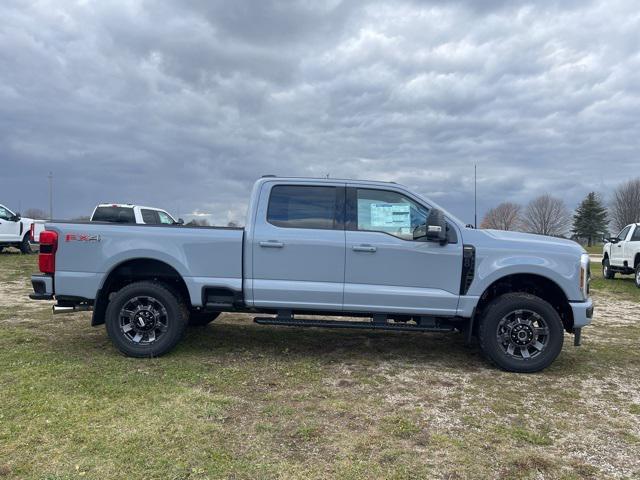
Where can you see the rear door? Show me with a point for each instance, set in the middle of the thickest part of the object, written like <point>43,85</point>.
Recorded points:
<point>298,247</point>
<point>386,270</point>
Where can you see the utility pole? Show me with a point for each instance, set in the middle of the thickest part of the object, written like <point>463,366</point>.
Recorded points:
<point>475,195</point>
<point>50,177</point>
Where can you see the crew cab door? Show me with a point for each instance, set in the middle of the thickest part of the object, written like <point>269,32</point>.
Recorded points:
<point>617,249</point>
<point>632,245</point>
<point>386,269</point>
<point>9,229</point>
<point>298,247</point>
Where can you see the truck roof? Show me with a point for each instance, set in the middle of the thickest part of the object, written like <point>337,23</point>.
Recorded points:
<point>328,180</point>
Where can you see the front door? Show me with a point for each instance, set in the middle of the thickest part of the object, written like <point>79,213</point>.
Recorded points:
<point>388,271</point>
<point>298,247</point>
<point>8,228</point>
<point>617,249</point>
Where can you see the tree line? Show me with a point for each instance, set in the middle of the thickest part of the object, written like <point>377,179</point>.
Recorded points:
<point>548,215</point>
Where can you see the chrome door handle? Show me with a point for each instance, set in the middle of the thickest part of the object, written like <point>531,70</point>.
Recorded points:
<point>272,244</point>
<point>364,248</point>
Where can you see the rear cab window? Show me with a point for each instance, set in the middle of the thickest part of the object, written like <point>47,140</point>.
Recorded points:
<point>114,214</point>
<point>150,217</point>
<point>305,206</point>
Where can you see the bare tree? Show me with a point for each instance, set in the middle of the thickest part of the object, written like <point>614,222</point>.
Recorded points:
<point>505,216</point>
<point>625,207</point>
<point>35,213</point>
<point>547,215</point>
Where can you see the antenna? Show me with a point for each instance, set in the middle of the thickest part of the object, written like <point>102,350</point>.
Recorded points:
<point>50,177</point>
<point>475,195</point>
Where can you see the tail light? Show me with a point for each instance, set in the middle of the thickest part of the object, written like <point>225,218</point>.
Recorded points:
<point>48,247</point>
<point>32,231</point>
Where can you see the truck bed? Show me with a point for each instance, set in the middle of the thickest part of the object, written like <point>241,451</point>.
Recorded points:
<point>203,256</point>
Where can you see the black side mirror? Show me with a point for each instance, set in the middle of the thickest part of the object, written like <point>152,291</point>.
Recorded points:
<point>613,240</point>
<point>180,222</point>
<point>16,217</point>
<point>435,230</point>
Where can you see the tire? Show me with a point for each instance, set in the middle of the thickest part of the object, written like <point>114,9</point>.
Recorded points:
<point>637,275</point>
<point>607,273</point>
<point>157,321</point>
<point>525,347</point>
<point>25,245</point>
<point>201,319</point>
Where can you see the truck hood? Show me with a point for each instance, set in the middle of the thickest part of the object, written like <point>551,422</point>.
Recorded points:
<point>523,241</point>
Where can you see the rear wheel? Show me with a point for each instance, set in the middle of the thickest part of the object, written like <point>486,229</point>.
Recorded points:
<point>200,319</point>
<point>145,319</point>
<point>25,245</point>
<point>520,332</point>
<point>606,270</point>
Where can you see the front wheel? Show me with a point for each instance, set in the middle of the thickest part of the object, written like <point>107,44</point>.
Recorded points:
<point>520,332</point>
<point>145,319</point>
<point>606,270</point>
<point>637,277</point>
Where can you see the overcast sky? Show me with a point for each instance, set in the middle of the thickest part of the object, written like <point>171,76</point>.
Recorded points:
<point>183,104</point>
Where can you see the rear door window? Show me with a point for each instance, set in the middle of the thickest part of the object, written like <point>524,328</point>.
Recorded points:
<point>114,214</point>
<point>150,217</point>
<point>303,206</point>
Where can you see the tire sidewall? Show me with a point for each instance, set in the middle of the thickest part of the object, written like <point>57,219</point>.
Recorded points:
<point>606,269</point>
<point>506,304</point>
<point>175,315</point>
<point>636,277</point>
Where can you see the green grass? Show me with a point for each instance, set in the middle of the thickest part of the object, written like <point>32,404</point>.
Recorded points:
<point>238,400</point>
<point>594,249</point>
<point>622,286</point>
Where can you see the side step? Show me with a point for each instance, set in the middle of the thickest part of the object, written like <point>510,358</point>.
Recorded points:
<point>291,322</point>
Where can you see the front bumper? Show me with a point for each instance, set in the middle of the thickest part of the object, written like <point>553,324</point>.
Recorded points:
<point>42,287</point>
<point>582,312</point>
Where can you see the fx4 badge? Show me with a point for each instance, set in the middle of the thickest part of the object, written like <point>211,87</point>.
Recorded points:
<point>81,237</point>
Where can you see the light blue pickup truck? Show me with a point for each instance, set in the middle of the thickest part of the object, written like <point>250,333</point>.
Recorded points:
<point>374,253</point>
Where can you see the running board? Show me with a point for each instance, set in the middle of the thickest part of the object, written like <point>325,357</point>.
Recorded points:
<point>291,322</point>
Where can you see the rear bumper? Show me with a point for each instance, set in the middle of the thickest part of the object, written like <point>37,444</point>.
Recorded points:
<point>582,312</point>
<point>42,287</point>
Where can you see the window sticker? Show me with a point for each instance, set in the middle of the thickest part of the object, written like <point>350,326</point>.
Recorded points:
<point>391,215</point>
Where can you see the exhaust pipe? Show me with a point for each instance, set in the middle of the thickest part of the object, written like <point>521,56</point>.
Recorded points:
<point>57,309</point>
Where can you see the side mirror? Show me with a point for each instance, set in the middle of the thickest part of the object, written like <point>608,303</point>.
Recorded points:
<point>612,240</point>
<point>180,222</point>
<point>16,217</point>
<point>435,230</point>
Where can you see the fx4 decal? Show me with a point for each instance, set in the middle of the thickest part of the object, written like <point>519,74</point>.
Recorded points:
<point>81,237</point>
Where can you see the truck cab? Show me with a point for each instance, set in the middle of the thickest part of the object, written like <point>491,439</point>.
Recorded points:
<point>621,254</point>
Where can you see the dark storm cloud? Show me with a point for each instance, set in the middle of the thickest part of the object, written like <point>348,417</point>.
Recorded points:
<point>183,104</point>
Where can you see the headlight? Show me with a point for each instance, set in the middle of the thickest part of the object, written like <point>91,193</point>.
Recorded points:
<point>585,274</point>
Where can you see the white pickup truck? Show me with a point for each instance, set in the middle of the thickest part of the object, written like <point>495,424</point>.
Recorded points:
<point>127,213</point>
<point>17,231</point>
<point>621,254</point>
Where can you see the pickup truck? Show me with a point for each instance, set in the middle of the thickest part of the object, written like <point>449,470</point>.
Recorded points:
<point>374,253</point>
<point>17,231</point>
<point>621,254</point>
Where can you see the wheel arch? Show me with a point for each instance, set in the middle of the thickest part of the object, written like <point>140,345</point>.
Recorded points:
<point>133,270</point>
<point>534,284</point>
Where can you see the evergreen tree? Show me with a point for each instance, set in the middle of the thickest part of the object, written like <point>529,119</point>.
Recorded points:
<point>590,219</point>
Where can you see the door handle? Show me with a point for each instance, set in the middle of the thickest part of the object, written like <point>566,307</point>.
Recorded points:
<point>272,244</point>
<point>364,248</point>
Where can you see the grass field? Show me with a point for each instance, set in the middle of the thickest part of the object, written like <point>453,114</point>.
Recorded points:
<point>238,400</point>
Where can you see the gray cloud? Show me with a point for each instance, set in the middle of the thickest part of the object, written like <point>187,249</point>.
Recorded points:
<point>183,104</point>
